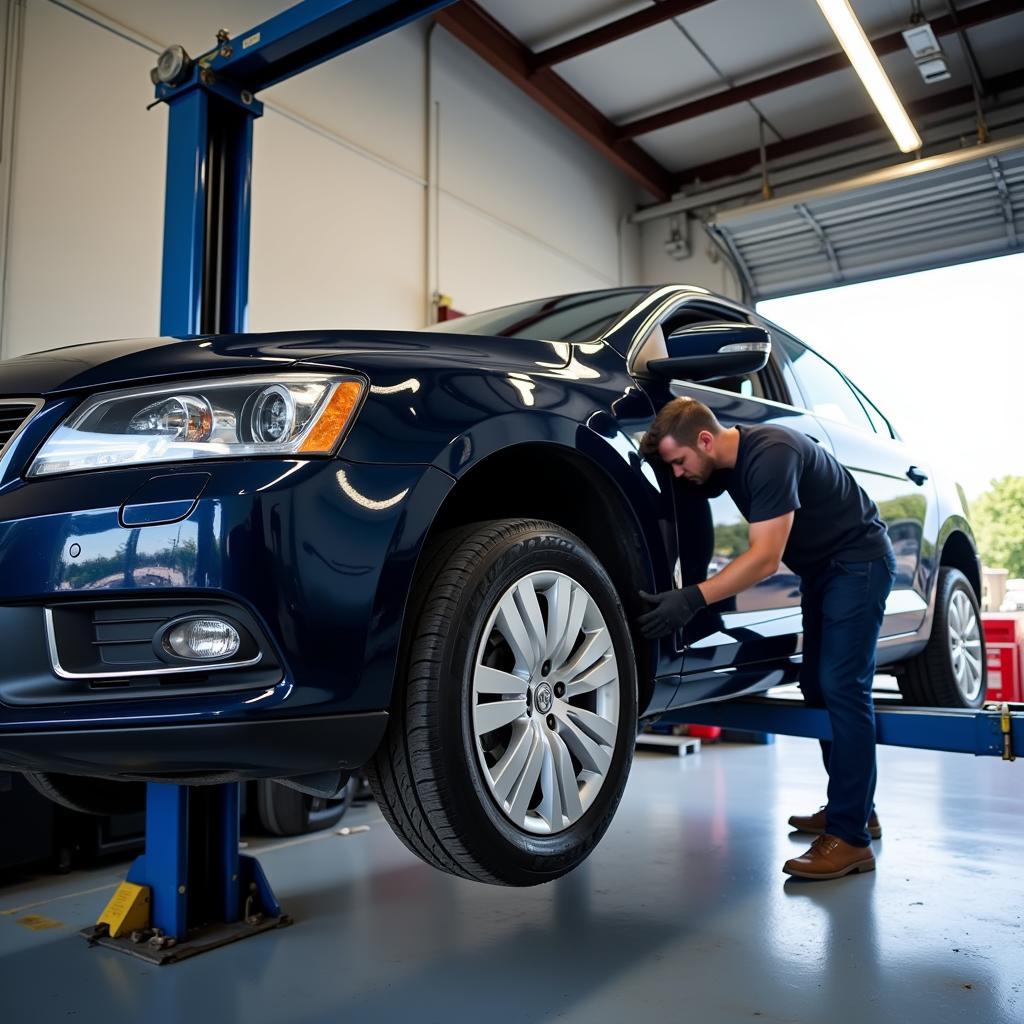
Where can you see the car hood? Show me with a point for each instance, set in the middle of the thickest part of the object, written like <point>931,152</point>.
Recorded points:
<point>105,364</point>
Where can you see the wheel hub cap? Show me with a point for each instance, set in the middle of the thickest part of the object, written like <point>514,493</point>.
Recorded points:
<point>543,698</point>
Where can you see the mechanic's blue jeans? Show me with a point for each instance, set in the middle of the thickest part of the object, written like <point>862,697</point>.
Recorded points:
<point>843,607</point>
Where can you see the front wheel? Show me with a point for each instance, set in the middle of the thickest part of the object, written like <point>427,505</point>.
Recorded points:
<point>512,734</point>
<point>951,671</point>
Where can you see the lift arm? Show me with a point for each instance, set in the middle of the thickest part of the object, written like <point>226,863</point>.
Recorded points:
<point>993,731</point>
<point>209,149</point>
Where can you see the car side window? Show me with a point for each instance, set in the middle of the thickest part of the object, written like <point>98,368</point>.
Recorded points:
<point>756,385</point>
<point>825,389</point>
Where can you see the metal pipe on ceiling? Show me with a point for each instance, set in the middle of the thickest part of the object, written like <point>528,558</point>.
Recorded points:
<point>908,169</point>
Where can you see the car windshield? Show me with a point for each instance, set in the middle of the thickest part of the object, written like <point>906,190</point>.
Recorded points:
<point>581,317</point>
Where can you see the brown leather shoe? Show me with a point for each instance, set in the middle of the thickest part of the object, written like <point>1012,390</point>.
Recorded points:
<point>830,857</point>
<point>815,823</point>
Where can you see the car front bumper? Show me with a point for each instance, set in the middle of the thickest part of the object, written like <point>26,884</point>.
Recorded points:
<point>316,556</point>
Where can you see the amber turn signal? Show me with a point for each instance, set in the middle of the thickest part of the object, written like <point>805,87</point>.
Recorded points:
<point>334,418</point>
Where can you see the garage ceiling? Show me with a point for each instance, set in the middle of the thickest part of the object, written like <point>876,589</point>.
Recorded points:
<point>715,104</point>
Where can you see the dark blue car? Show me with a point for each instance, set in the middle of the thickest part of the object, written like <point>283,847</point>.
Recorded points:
<point>290,555</point>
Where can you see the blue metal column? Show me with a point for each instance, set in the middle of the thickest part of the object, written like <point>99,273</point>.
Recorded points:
<point>192,864</point>
<point>209,148</point>
<point>207,210</point>
<point>164,865</point>
<point>184,214</point>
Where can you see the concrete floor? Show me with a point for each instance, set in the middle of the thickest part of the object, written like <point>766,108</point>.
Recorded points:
<point>681,914</point>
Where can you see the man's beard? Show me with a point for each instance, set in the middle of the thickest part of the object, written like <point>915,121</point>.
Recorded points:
<point>704,470</point>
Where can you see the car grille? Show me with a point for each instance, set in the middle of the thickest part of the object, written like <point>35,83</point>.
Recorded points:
<point>12,416</point>
<point>124,638</point>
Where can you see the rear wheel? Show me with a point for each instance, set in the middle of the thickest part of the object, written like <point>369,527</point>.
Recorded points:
<point>511,739</point>
<point>950,672</point>
<point>287,812</point>
<point>90,796</point>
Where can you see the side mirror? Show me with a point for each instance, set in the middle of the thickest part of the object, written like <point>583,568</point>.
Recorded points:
<point>707,352</point>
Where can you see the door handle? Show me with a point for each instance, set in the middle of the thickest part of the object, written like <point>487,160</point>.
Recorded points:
<point>917,475</point>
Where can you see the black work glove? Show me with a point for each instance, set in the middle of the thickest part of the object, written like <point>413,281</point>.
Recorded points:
<point>672,610</point>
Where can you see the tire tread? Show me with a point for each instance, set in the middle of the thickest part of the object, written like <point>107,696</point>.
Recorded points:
<point>404,773</point>
<point>927,678</point>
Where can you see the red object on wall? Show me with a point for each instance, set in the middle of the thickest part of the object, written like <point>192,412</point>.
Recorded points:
<point>445,313</point>
<point>1004,640</point>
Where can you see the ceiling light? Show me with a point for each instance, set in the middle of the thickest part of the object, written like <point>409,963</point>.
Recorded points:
<point>850,34</point>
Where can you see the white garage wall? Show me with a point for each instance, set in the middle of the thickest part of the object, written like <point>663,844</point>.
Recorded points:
<point>518,191</point>
<point>340,189</point>
<point>337,240</point>
<point>706,265</point>
<point>84,235</point>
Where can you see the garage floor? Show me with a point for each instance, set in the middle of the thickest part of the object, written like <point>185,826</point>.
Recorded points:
<point>682,913</point>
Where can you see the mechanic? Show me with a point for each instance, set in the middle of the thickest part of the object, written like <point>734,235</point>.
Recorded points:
<point>804,508</point>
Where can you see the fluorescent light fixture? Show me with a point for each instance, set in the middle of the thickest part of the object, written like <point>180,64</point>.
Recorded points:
<point>839,14</point>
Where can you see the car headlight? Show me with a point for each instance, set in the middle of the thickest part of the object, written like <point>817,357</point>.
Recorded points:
<point>293,414</point>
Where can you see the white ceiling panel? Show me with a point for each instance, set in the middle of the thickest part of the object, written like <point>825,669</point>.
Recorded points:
<point>704,138</point>
<point>998,45</point>
<point>837,97</point>
<point>774,35</point>
<point>646,71</point>
<point>783,33</point>
<point>907,80</point>
<point>541,23</point>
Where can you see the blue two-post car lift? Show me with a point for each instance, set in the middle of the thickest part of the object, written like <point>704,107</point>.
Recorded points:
<point>191,890</point>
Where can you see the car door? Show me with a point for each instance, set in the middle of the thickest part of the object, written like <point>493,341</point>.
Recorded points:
<point>762,622</point>
<point>882,464</point>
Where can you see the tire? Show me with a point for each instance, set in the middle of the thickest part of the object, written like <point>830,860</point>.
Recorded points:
<point>287,812</point>
<point>950,671</point>
<point>103,797</point>
<point>527,800</point>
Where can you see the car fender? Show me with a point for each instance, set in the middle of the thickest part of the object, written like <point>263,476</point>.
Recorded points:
<point>951,524</point>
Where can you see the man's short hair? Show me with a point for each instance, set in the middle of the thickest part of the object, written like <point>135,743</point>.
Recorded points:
<point>682,419</point>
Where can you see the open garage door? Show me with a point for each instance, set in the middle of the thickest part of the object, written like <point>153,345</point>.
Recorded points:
<point>928,213</point>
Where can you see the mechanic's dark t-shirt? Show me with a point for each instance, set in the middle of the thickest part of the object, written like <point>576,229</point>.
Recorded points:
<point>779,471</point>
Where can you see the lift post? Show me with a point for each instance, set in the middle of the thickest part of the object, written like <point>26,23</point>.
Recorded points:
<point>199,891</point>
<point>192,890</point>
<point>213,105</point>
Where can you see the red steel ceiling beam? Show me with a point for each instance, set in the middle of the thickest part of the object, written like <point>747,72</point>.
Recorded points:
<point>627,26</point>
<point>476,29</point>
<point>739,163</point>
<point>946,25</point>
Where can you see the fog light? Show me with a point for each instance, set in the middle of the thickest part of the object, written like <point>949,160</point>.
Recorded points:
<point>203,639</point>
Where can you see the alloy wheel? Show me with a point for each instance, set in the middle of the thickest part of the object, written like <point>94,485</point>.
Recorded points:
<point>545,702</point>
<point>965,646</point>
